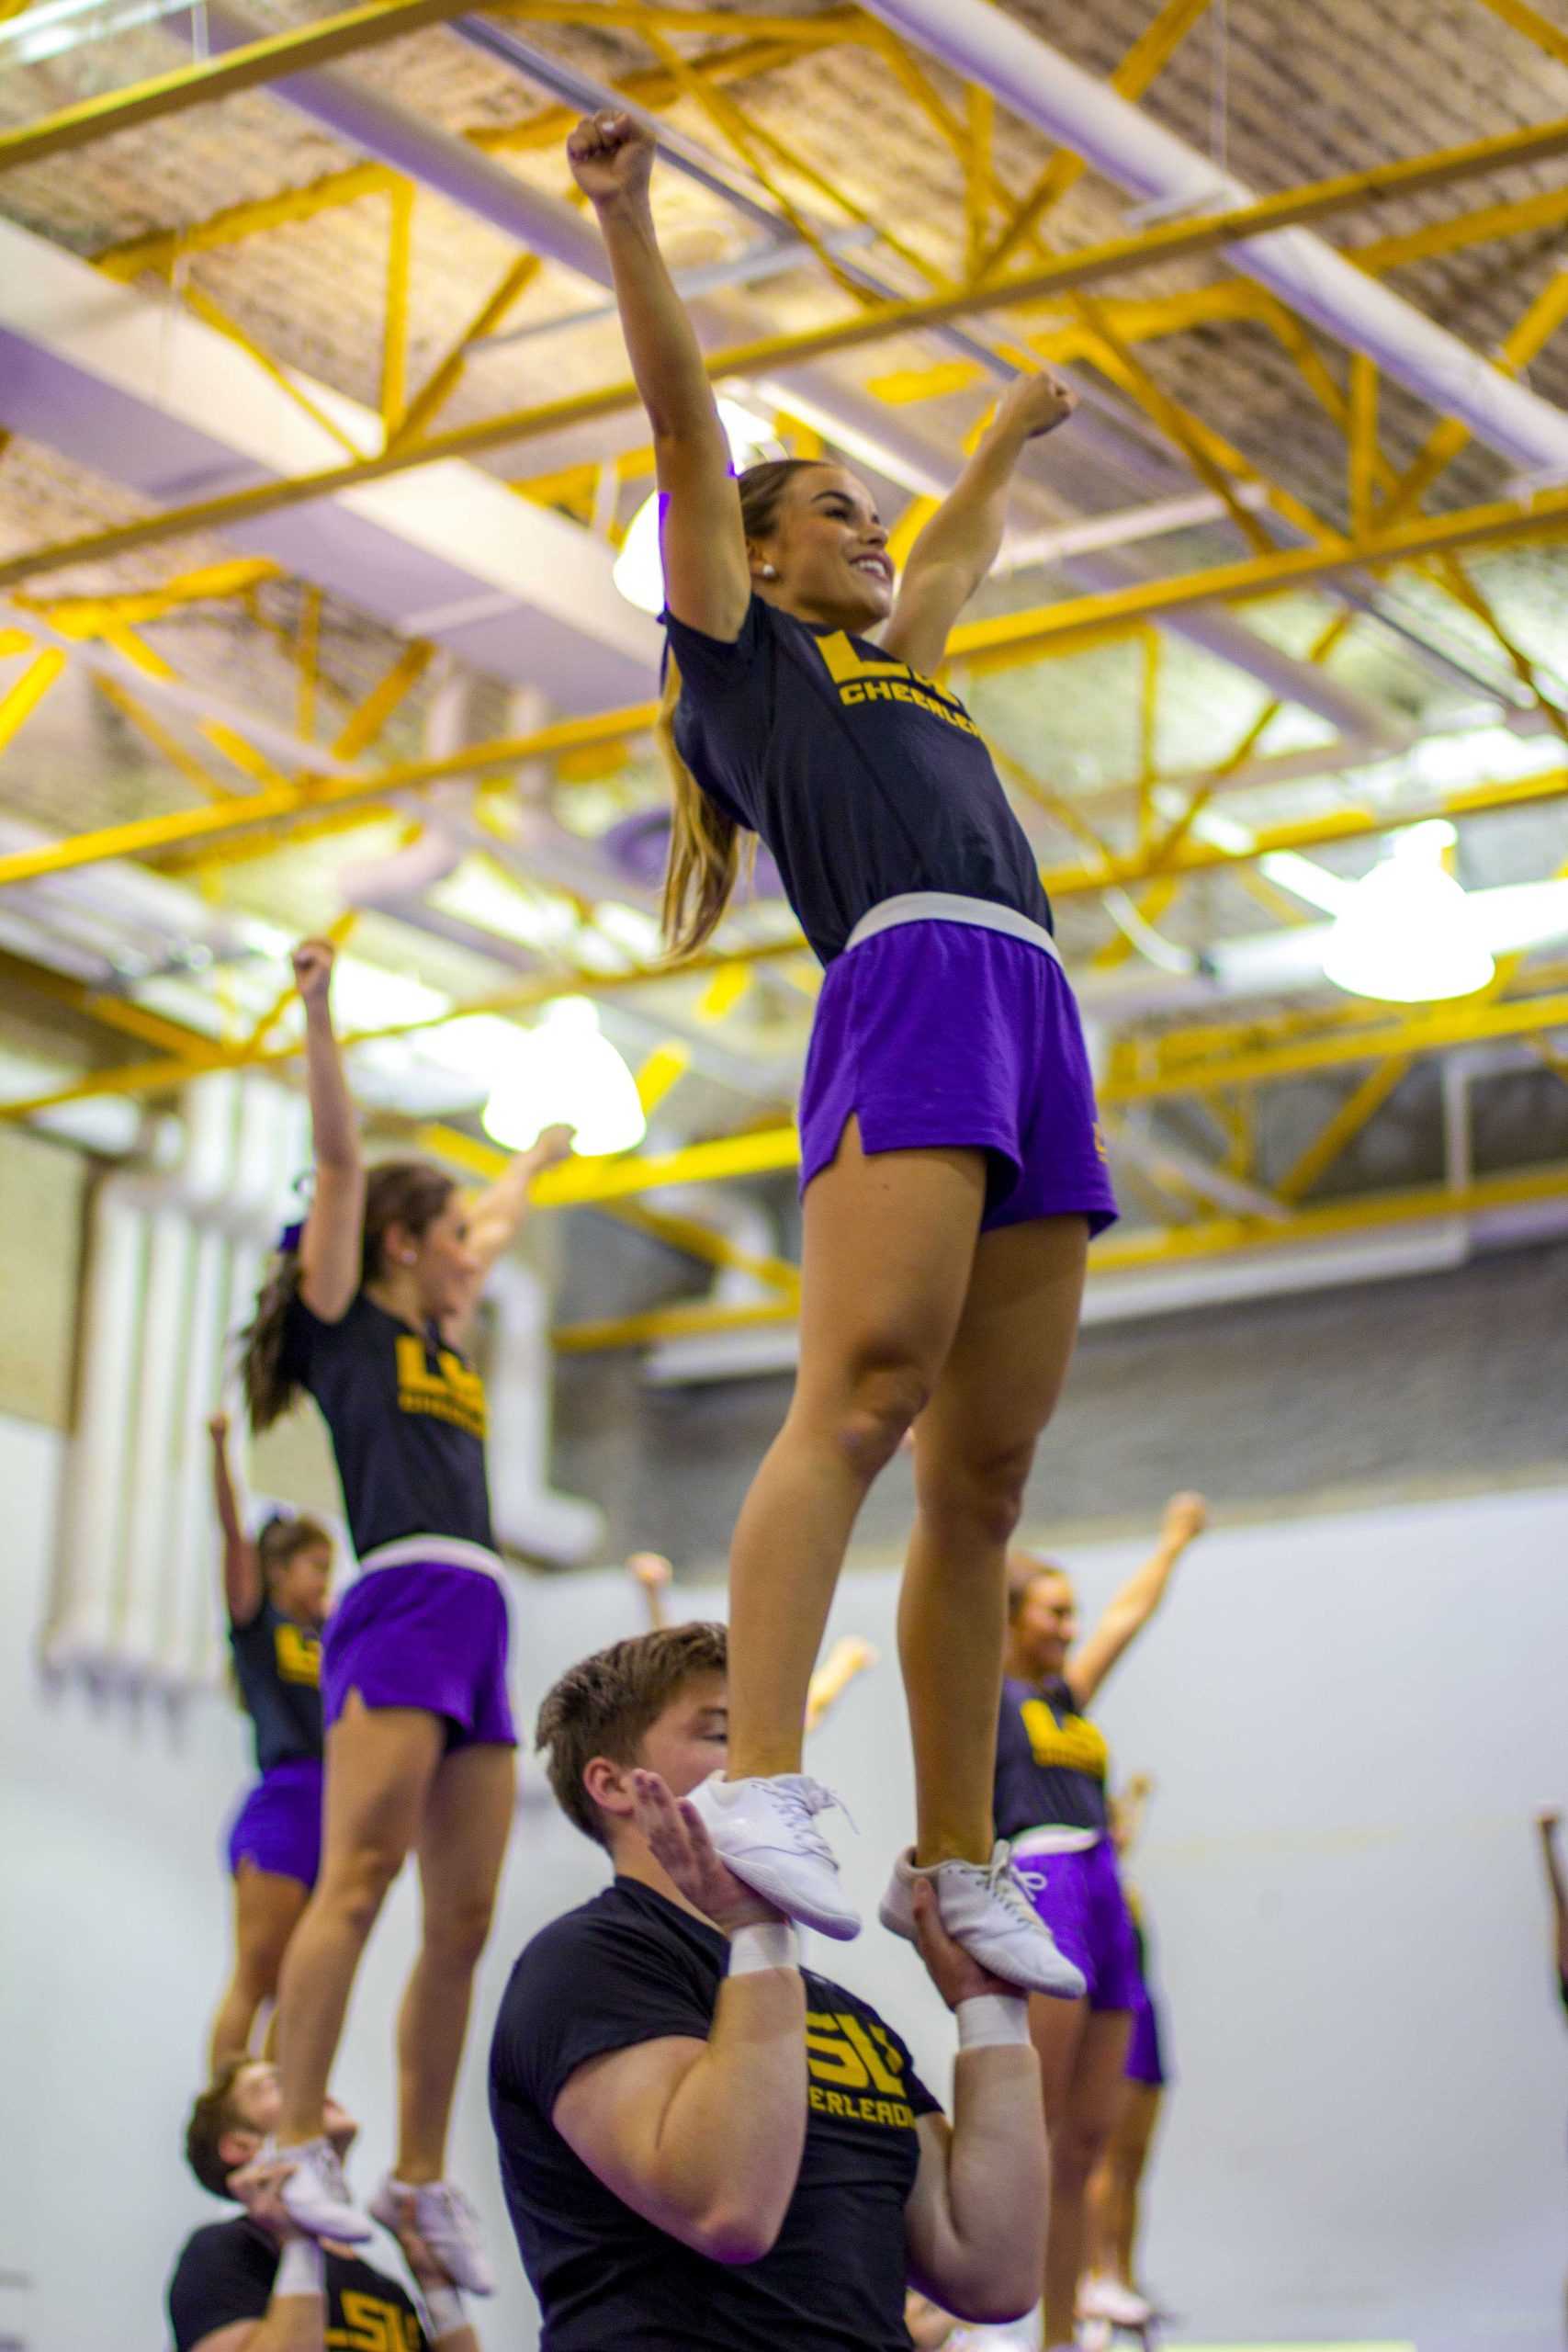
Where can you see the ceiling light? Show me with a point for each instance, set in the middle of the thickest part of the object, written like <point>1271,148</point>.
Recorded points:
<point>638,570</point>
<point>566,1072</point>
<point>1408,935</point>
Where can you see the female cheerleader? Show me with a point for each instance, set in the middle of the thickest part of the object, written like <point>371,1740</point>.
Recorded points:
<point>276,1591</point>
<point>364,1309</point>
<point>1050,1802</point>
<point>950,1164</point>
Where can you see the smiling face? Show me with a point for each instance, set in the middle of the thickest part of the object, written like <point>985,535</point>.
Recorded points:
<point>1043,1627</point>
<point>441,1260</point>
<point>829,547</point>
<point>301,1585</point>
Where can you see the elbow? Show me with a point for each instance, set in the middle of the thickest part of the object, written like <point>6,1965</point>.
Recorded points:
<point>734,2237</point>
<point>994,2294</point>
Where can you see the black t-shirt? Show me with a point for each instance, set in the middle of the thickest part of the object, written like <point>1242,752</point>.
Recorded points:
<point>407,1418</point>
<point>278,1665</point>
<point>864,779</point>
<point>631,1967</point>
<point>225,2275</point>
<point>1051,1762</point>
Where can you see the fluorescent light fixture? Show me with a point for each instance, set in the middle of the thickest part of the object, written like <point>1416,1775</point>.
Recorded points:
<point>638,570</point>
<point>566,1072</point>
<point>1407,934</point>
<point>59,25</point>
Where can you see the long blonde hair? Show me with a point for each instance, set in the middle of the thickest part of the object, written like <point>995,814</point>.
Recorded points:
<point>704,844</point>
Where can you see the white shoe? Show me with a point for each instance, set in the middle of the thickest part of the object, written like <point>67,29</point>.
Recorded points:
<point>449,2224</point>
<point>314,2193</point>
<point>984,1908</point>
<point>763,1830</point>
<point>1103,2297</point>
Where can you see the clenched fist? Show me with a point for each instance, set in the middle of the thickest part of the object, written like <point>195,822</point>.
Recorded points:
<point>610,157</point>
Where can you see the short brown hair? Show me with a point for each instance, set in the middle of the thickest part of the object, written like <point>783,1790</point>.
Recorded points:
<point>1024,1571</point>
<point>215,2114</point>
<point>605,1705</point>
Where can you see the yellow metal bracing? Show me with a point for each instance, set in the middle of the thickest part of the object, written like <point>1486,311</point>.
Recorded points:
<point>307,664</point>
<point>1363,431</point>
<point>217,77</point>
<point>713,1249</point>
<point>1533,24</point>
<point>1135,74</point>
<point>1346,1122</point>
<point>661,1073</point>
<point>214,583</point>
<point>109,1011</point>
<point>214,315</point>
<point>395,318</point>
<point>1089,265</point>
<point>447,373</point>
<point>168,745</point>
<point>23,696</point>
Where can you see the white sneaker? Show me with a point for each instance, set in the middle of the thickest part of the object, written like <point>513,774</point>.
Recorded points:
<point>1103,2297</point>
<point>984,1908</point>
<point>763,1830</point>
<point>449,2224</point>
<point>314,2193</point>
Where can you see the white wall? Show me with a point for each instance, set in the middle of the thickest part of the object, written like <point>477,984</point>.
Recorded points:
<point>1350,1719</point>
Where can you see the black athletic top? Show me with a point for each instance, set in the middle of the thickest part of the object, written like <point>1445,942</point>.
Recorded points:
<point>1051,1761</point>
<point>407,1418</point>
<point>630,1967</point>
<point>225,2275</point>
<point>278,1666</point>
<point>864,779</point>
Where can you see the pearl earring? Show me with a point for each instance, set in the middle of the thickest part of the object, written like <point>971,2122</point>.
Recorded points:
<point>770,571</point>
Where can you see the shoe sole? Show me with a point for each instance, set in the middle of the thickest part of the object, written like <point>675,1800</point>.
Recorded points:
<point>842,1926</point>
<point>1071,1986</point>
<point>382,2209</point>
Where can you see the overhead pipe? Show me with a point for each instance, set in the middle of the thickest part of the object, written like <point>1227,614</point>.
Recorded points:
<point>466,176</point>
<point>1125,145</point>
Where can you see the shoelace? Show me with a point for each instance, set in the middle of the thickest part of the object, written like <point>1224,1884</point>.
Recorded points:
<point>1004,1885</point>
<point>457,2209</point>
<point>801,1799</point>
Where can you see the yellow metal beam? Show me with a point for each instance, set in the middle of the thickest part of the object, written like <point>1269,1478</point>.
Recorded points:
<point>217,77</point>
<point>1533,24</point>
<point>1089,265</point>
<point>1361,1104</point>
<point>395,312</point>
<point>23,696</point>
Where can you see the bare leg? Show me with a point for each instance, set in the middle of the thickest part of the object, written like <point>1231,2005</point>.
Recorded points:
<point>1082,2054</point>
<point>266,1911</point>
<point>1113,2191</point>
<point>974,1446</point>
<point>462,1843</point>
<point>889,1246</point>
<point>380,1768</point>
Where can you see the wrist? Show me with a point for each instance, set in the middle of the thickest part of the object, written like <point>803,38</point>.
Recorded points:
<point>301,2268</point>
<point>626,209</point>
<point>444,2307</point>
<point>761,1944</point>
<point>993,2022</point>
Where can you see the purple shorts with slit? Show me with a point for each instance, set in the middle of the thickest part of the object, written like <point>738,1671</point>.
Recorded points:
<point>942,1032</point>
<point>279,1827</point>
<point>1079,1897</point>
<point>424,1634</point>
<point>1145,2054</point>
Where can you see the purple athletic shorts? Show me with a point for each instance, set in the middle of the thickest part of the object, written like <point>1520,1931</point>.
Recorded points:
<point>279,1827</point>
<point>424,1634</point>
<point>1145,2057</point>
<point>1079,1897</point>
<point>941,1032</point>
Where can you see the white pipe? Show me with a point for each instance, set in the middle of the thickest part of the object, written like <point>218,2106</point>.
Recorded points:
<point>530,1515</point>
<point>154,1401</point>
<point>1126,526</point>
<point>1129,148</point>
<point>93,1531</point>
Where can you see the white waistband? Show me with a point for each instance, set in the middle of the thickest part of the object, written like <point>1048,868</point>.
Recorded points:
<point>948,906</point>
<point>1060,1839</point>
<point>434,1552</point>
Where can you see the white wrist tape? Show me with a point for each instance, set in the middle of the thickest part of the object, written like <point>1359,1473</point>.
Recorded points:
<point>444,2308</point>
<point>769,1943</point>
<point>993,2022</point>
<point>303,2269</point>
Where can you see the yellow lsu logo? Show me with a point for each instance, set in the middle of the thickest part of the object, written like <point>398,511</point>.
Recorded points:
<point>856,2072</point>
<point>452,1393</point>
<point>297,1655</point>
<point>860,681</point>
<point>372,2326</point>
<point>1072,1745</point>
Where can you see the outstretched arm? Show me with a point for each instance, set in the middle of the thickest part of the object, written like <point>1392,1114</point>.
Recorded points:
<point>496,1216</point>
<point>331,1244</point>
<point>1186,1516</point>
<point>849,1657</point>
<point>242,1590</point>
<point>652,1571</point>
<point>1548,1824</point>
<point>1129,1810</point>
<point>964,537</point>
<point>708,577</point>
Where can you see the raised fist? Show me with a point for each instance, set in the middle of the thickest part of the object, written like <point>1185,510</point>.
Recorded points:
<point>314,960</point>
<point>610,157</point>
<point>1035,404</point>
<point>1185,1517</point>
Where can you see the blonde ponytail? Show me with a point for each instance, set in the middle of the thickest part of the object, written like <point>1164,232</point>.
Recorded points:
<point>704,844</point>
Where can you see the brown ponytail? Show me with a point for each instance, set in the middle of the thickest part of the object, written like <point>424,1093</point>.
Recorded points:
<point>408,1193</point>
<point>705,853</point>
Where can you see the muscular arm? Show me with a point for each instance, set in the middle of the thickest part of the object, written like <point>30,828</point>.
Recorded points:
<point>972,2222</point>
<point>242,1590</point>
<point>293,2324</point>
<point>1185,1518</point>
<point>964,537</point>
<point>497,1215</point>
<point>706,574</point>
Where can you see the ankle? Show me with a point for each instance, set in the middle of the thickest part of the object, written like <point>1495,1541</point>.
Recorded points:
<point>417,2172</point>
<point>944,1845</point>
<point>762,1763</point>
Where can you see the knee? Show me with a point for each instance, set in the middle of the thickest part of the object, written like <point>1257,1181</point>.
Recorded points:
<point>1077,2148</point>
<point>982,1494</point>
<point>881,1401</point>
<point>355,1885</point>
<point>455,1933</point>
